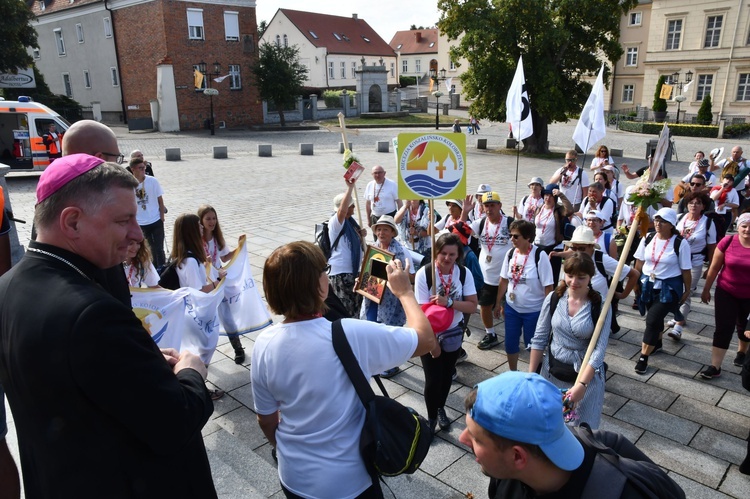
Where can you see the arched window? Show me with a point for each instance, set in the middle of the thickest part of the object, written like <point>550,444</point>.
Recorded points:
<point>286,41</point>
<point>278,41</point>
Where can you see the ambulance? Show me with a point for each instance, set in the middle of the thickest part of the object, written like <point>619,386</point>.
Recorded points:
<point>22,125</point>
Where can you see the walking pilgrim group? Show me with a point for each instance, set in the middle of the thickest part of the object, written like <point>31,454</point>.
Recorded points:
<point>85,380</point>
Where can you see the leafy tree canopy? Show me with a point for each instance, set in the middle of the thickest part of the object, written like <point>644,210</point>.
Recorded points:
<point>17,35</point>
<point>560,41</point>
<point>279,75</point>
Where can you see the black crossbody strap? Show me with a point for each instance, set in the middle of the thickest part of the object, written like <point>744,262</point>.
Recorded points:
<point>346,355</point>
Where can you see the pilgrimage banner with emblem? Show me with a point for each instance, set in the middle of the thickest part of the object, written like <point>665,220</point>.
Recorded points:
<point>431,165</point>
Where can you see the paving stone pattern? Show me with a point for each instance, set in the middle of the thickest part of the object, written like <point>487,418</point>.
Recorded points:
<point>695,429</point>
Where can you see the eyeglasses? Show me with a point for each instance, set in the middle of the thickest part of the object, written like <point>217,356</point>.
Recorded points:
<point>120,157</point>
<point>696,184</point>
<point>569,160</point>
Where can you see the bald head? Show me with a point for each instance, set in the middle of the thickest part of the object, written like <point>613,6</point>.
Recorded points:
<point>91,137</point>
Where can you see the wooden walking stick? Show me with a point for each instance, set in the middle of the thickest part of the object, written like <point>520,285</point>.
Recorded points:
<point>342,124</point>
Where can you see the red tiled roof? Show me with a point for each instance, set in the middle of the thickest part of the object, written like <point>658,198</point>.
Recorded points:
<point>416,41</point>
<point>340,35</point>
<point>51,6</point>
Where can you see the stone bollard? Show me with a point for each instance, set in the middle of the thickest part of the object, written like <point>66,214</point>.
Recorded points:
<point>383,146</point>
<point>264,150</point>
<point>615,153</point>
<point>481,143</point>
<point>220,152</point>
<point>306,149</point>
<point>172,154</point>
<point>341,147</point>
<point>510,143</point>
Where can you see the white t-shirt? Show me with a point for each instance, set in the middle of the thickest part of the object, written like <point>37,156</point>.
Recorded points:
<point>598,162</point>
<point>605,208</point>
<point>296,371</point>
<point>732,197</point>
<point>695,234</point>
<point>599,281</point>
<point>669,265</point>
<point>528,293</point>
<point>192,274</point>
<point>546,227</point>
<point>386,194</point>
<point>144,277</point>
<point>457,292</point>
<point>742,163</point>
<point>214,253</point>
<point>341,255</point>
<point>571,186</point>
<point>146,195</point>
<point>498,236</point>
<point>528,206</point>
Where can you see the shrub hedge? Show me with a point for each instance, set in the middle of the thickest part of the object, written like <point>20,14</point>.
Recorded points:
<point>684,130</point>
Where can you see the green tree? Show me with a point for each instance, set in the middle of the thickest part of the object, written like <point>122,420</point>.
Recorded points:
<point>262,27</point>
<point>560,43</point>
<point>279,76</point>
<point>660,105</point>
<point>17,35</point>
<point>705,113</point>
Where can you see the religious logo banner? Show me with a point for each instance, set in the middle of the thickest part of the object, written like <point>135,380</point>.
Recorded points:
<point>431,166</point>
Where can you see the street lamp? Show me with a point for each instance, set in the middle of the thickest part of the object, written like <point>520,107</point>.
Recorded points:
<point>680,98</point>
<point>210,91</point>
<point>437,79</point>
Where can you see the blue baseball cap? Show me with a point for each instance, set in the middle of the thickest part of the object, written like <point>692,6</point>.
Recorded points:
<point>527,408</point>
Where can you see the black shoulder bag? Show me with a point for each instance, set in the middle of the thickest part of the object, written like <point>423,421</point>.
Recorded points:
<point>395,439</point>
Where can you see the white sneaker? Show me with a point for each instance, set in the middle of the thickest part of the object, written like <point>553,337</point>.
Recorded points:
<point>671,323</point>
<point>675,335</point>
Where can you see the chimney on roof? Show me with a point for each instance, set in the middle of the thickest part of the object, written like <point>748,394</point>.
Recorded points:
<point>355,16</point>
<point>418,36</point>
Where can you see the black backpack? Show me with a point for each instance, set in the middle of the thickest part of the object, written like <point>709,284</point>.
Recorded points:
<point>395,439</point>
<point>618,462</point>
<point>168,278</point>
<point>323,240</point>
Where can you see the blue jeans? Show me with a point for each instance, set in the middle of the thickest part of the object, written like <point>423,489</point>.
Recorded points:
<point>514,323</point>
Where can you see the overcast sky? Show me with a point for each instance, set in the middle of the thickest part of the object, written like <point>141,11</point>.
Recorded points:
<point>385,16</point>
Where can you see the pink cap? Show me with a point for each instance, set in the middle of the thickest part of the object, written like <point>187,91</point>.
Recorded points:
<point>63,170</point>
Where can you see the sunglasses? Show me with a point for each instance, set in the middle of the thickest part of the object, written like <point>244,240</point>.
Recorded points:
<point>579,248</point>
<point>515,236</point>
<point>568,160</point>
<point>696,184</point>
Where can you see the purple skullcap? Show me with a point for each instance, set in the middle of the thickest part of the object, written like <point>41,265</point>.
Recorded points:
<point>63,170</point>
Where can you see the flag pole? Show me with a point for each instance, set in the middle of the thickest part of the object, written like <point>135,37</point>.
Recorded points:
<point>518,155</point>
<point>431,204</point>
<point>342,124</point>
<point>588,139</point>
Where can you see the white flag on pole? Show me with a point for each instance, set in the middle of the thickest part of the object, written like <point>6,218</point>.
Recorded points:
<point>448,84</point>
<point>591,127</point>
<point>518,111</point>
<point>657,160</point>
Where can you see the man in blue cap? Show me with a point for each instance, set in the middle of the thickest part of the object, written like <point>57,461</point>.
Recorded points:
<point>515,426</point>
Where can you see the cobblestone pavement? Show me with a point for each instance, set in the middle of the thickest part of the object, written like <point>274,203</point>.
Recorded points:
<point>695,429</point>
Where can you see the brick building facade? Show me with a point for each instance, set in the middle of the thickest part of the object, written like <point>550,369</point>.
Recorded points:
<point>157,32</point>
<point>147,53</point>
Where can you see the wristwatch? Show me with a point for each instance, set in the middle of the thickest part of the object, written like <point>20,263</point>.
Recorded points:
<point>450,302</point>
